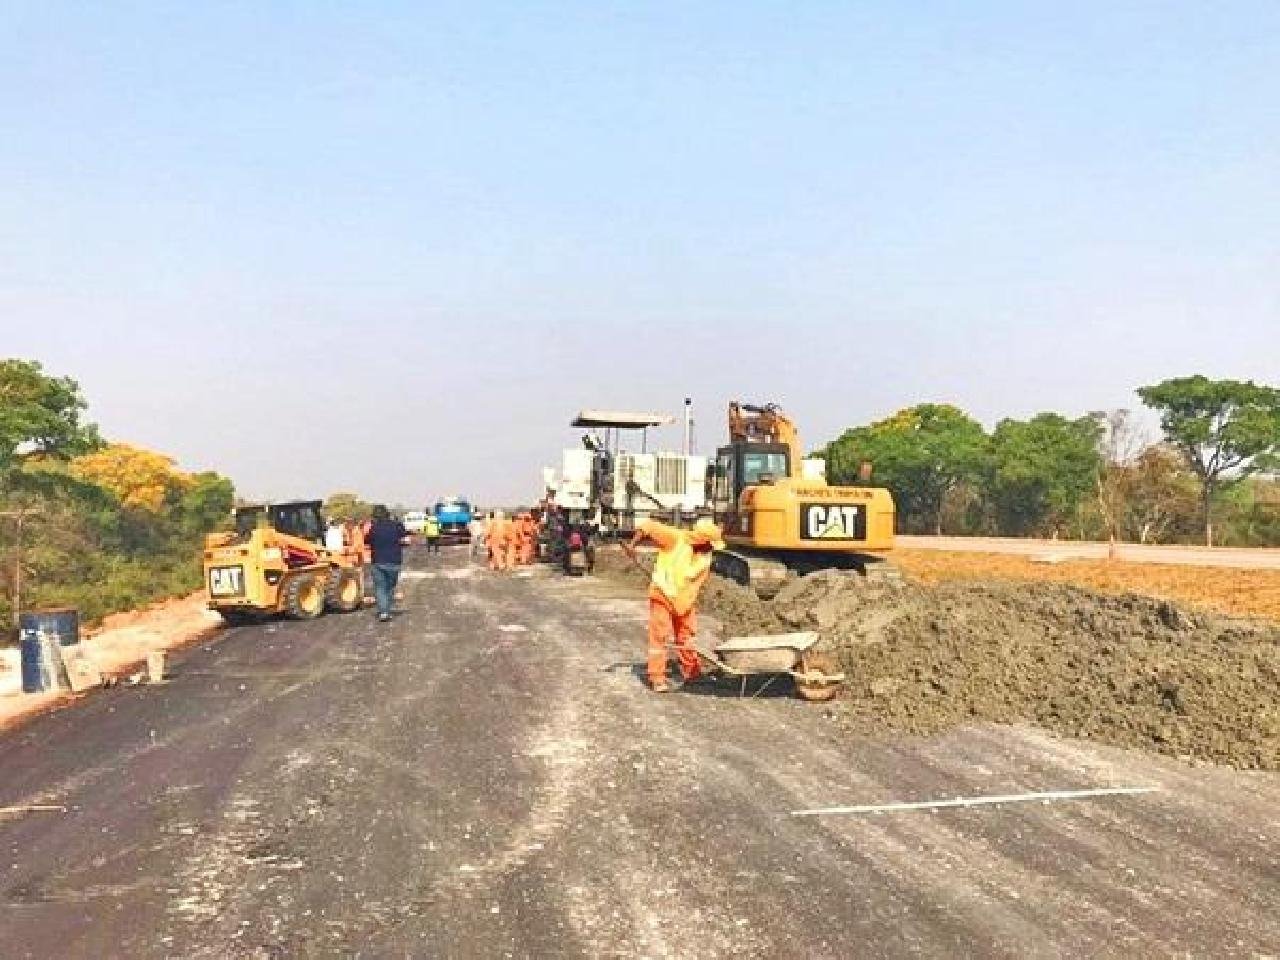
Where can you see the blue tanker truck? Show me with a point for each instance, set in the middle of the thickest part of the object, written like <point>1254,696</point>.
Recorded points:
<point>454,514</point>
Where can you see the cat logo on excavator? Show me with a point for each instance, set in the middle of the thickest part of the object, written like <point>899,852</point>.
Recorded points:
<point>823,521</point>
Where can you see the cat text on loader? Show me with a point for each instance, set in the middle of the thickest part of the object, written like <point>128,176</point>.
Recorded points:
<point>780,516</point>
<point>275,562</point>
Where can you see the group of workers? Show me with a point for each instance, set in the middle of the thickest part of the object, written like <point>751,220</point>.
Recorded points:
<point>512,541</point>
<point>681,567</point>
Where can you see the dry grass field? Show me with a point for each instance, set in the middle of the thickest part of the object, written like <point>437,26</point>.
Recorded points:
<point>1240,592</point>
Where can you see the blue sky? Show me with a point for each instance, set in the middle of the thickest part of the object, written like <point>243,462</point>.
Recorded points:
<point>393,247</point>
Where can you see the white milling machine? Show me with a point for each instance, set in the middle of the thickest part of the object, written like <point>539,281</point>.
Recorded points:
<point>605,483</point>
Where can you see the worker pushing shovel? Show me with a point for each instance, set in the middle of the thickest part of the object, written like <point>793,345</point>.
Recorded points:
<point>680,570</point>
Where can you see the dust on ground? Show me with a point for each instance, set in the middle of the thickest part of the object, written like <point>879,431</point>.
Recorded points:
<point>1237,592</point>
<point>1128,670</point>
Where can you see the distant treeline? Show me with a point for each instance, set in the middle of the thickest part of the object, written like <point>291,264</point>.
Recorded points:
<point>104,527</point>
<point>1212,477</point>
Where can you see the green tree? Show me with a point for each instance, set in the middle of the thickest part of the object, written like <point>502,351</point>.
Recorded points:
<point>110,527</point>
<point>1223,428</point>
<point>40,416</point>
<point>347,506</point>
<point>1042,470</point>
<point>206,502</point>
<point>922,454</point>
<point>1249,513</point>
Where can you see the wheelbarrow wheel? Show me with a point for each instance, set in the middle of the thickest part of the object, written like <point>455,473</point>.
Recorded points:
<point>813,683</point>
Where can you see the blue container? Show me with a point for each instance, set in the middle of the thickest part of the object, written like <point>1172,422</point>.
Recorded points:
<point>37,671</point>
<point>63,623</point>
<point>39,632</point>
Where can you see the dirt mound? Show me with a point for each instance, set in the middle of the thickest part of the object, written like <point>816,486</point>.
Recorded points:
<point>1126,670</point>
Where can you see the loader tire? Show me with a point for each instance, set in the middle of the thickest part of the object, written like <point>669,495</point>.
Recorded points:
<point>303,598</point>
<point>344,591</point>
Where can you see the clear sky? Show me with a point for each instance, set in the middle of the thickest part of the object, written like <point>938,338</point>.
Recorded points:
<point>393,247</point>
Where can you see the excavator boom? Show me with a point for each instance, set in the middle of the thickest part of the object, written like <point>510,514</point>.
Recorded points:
<point>749,423</point>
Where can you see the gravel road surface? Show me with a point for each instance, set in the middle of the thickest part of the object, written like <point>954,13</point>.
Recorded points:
<point>488,777</point>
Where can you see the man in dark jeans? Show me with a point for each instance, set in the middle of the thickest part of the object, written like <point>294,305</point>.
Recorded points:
<point>386,540</point>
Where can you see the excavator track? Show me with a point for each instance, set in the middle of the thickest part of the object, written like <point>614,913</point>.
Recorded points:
<point>766,575</point>
<point>881,571</point>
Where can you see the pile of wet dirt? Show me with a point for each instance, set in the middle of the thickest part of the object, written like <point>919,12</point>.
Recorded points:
<point>1127,670</point>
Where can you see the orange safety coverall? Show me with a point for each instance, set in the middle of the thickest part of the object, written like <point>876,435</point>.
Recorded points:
<point>496,537</point>
<point>679,573</point>
<point>528,536</point>
<point>491,541</point>
<point>513,543</point>
<point>359,544</point>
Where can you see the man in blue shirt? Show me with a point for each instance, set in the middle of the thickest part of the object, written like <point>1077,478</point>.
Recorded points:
<point>386,540</point>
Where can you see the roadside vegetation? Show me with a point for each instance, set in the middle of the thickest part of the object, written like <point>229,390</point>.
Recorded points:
<point>347,506</point>
<point>1212,477</point>
<point>105,527</point>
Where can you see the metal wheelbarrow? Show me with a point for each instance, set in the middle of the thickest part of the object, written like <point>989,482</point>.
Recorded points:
<point>816,675</point>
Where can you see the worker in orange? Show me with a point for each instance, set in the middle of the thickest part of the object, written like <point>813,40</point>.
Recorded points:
<point>528,536</point>
<point>359,541</point>
<point>514,538</point>
<point>680,570</point>
<point>513,542</point>
<point>496,535</point>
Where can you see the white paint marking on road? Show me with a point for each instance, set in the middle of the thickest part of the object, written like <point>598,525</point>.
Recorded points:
<point>974,801</point>
<point>32,808</point>
<point>513,628</point>
<point>461,573</point>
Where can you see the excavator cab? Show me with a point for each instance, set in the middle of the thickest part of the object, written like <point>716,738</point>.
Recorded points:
<point>740,465</point>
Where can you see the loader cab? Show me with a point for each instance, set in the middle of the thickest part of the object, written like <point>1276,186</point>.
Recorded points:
<point>300,518</point>
<point>742,465</point>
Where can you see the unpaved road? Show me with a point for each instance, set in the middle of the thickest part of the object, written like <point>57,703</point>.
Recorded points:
<point>487,777</point>
<point>1241,558</point>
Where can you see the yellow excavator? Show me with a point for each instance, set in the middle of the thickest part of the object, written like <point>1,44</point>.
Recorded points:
<point>779,514</point>
<point>275,562</point>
